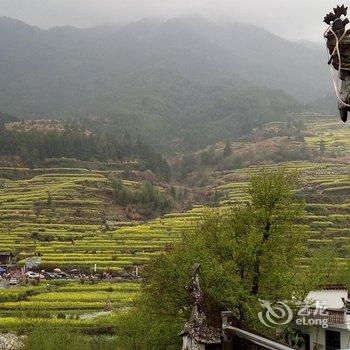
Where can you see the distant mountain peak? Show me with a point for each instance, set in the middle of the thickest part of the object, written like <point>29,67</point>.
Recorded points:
<point>15,23</point>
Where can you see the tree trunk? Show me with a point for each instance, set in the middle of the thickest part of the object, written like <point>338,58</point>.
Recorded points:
<point>256,267</point>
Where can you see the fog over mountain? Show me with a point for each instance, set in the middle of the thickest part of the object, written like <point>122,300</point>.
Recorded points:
<point>166,72</point>
<point>294,20</point>
<point>83,60</point>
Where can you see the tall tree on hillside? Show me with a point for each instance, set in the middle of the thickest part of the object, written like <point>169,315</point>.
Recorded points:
<point>322,147</point>
<point>299,130</point>
<point>227,149</point>
<point>272,207</point>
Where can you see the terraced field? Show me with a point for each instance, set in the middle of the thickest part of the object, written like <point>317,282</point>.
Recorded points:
<point>324,187</point>
<point>64,239</point>
<point>59,218</point>
<point>82,306</point>
<point>334,133</point>
<point>57,214</point>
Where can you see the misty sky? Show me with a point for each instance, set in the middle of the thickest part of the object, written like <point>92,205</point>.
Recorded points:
<point>293,19</point>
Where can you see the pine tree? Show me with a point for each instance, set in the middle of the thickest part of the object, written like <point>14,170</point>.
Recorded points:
<point>227,149</point>
<point>322,147</point>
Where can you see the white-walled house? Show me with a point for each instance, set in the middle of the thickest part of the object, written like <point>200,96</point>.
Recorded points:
<point>324,322</point>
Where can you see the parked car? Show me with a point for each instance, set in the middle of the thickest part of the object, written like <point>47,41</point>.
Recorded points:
<point>32,275</point>
<point>50,275</point>
<point>63,275</point>
<point>13,281</point>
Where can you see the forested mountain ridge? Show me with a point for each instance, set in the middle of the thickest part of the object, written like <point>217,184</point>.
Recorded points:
<point>166,81</point>
<point>173,112</point>
<point>35,144</point>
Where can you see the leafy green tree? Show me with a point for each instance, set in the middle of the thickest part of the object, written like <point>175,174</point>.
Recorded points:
<point>188,164</point>
<point>147,197</point>
<point>209,157</point>
<point>248,252</point>
<point>121,195</point>
<point>153,200</point>
<point>274,211</point>
<point>299,130</point>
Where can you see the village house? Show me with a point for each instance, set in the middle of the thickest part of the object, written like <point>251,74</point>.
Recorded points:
<point>7,259</point>
<point>324,322</point>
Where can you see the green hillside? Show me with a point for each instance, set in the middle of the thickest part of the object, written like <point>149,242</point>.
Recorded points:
<point>175,113</point>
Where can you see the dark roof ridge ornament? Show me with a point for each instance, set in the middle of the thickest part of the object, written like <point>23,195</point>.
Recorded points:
<point>197,332</point>
<point>336,14</point>
<point>338,44</point>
